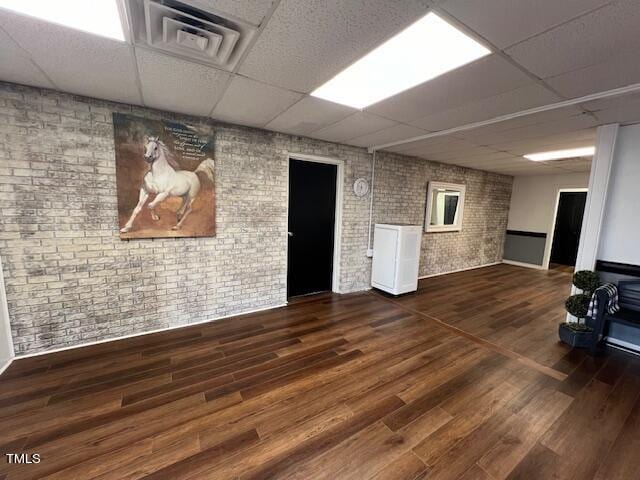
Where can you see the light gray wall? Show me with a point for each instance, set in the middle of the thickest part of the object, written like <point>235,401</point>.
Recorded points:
<point>71,280</point>
<point>533,200</point>
<point>620,237</point>
<point>533,208</point>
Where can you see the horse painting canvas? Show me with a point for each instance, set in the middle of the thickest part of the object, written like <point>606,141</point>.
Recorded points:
<point>165,175</point>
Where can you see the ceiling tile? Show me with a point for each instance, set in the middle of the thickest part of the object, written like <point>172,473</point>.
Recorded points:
<point>483,78</point>
<point>308,115</point>
<point>358,124</point>
<point>498,161</point>
<point>525,167</point>
<point>452,156</point>
<point>626,115</point>
<point>488,157</point>
<point>252,11</point>
<point>523,98</point>
<point>540,130</point>
<point>169,83</point>
<point>572,164</point>
<point>306,42</point>
<point>624,109</point>
<point>433,145</point>
<point>612,102</point>
<point>16,67</point>
<point>252,103</point>
<point>392,134</point>
<point>582,138</point>
<point>506,22</point>
<point>482,133</point>
<point>75,61</point>
<point>510,166</point>
<point>619,71</point>
<point>541,118</point>
<point>507,157</point>
<point>579,168</point>
<point>588,40</point>
<point>526,170</point>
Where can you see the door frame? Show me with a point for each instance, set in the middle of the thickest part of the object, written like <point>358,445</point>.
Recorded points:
<point>549,246</point>
<point>337,224</point>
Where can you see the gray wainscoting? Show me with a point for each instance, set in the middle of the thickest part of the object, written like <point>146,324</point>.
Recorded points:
<point>525,247</point>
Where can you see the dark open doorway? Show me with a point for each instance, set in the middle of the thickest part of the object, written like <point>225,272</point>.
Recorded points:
<point>568,226</point>
<point>312,218</point>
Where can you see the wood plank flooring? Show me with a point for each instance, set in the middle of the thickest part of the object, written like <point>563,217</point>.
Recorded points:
<point>461,380</point>
<point>511,307</point>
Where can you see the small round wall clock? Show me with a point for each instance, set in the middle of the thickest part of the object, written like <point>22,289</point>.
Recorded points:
<point>360,187</point>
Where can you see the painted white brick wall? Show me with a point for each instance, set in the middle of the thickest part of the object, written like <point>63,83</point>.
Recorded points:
<point>71,280</point>
<point>401,195</point>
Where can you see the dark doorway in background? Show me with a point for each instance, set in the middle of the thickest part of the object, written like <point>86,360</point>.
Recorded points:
<point>566,236</point>
<point>312,212</point>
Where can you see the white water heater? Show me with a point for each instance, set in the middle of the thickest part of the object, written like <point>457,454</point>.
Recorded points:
<point>396,256</point>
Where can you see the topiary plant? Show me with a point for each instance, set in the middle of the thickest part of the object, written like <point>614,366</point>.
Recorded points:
<point>578,304</point>
<point>578,327</point>
<point>578,334</point>
<point>587,281</point>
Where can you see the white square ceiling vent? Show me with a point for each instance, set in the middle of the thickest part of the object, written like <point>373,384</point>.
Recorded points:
<point>210,37</point>
<point>174,31</point>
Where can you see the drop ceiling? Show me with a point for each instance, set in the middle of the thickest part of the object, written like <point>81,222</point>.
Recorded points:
<point>543,52</point>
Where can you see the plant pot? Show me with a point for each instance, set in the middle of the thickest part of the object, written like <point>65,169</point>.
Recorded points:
<point>575,338</point>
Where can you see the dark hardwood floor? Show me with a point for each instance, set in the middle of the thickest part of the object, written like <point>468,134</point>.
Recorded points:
<point>461,380</point>
<point>512,307</point>
<point>563,268</point>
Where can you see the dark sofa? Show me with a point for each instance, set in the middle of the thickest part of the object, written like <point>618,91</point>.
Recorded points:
<point>624,323</point>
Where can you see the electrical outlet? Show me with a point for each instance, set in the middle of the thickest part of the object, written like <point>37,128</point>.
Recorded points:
<point>370,252</point>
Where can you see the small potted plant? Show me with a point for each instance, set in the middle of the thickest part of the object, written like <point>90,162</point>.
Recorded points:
<point>579,334</point>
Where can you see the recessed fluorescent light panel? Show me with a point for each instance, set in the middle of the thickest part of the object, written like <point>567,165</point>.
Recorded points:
<point>560,154</point>
<point>100,17</point>
<point>423,51</point>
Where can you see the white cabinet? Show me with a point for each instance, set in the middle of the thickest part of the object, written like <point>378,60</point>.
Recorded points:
<point>396,256</point>
<point>6,344</point>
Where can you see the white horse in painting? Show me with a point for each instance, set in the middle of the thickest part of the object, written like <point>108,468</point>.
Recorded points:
<point>165,179</point>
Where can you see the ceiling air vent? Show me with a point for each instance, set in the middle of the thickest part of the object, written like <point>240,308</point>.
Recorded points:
<point>210,37</point>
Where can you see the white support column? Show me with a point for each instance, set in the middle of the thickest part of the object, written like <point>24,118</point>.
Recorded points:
<point>596,197</point>
<point>596,200</point>
<point>6,343</point>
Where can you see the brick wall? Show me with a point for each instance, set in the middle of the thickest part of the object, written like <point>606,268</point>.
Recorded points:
<point>71,280</point>
<point>400,196</point>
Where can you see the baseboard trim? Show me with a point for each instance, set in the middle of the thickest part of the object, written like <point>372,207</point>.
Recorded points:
<point>622,345</point>
<point>459,270</point>
<point>523,264</point>
<point>149,332</point>
<point>5,365</point>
